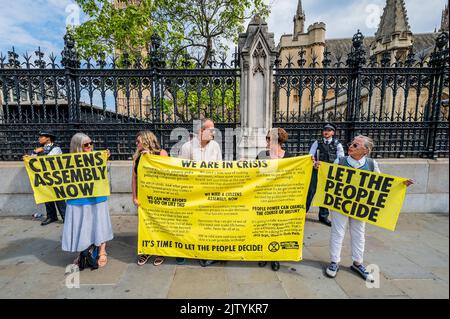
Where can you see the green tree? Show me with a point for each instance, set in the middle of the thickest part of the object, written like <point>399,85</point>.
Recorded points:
<point>209,24</point>
<point>215,101</point>
<point>120,25</point>
<point>185,26</point>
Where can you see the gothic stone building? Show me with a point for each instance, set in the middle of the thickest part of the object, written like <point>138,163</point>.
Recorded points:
<point>392,42</point>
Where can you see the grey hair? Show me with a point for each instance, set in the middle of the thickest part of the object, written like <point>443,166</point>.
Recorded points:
<point>76,144</point>
<point>368,142</point>
<point>203,122</point>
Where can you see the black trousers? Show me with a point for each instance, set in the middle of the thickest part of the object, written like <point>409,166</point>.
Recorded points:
<point>323,212</point>
<point>51,207</point>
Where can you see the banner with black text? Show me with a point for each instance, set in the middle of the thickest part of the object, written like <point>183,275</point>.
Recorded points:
<point>241,210</point>
<point>68,176</point>
<point>371,197</point>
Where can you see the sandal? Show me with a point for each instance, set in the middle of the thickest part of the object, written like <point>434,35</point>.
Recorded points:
<point>158,260</point>
<point>142,259</point>
<point>102,259</point>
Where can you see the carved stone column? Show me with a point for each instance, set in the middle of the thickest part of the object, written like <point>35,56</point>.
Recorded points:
<point>257,57</point>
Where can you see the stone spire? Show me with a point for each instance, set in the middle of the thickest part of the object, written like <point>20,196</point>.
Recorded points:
<point>300,8</point>
<point>299,20</point>
<point>394,22</point>
<point>444,20</point>
<point>394,36</point>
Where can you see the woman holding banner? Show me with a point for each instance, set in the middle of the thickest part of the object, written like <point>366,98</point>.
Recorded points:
<point>87,223</point>
<point>146,143</point>
<point>275,140</point>
<point>358,151</point>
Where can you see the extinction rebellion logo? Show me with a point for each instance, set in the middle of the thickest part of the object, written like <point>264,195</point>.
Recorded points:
<point>274,247</point>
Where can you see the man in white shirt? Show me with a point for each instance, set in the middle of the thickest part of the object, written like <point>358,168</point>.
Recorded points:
<point>326,149</point>
<point>202,147</point>
<point>48,148</point>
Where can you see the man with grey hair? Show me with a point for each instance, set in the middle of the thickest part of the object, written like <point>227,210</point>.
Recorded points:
<point>202,148</point>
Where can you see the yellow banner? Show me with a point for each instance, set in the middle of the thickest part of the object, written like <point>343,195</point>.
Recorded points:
<point>68,176</point>
<point>371,197</point>
<point>241,210</point>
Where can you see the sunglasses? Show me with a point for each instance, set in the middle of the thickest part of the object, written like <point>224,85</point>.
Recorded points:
<point>88,144</point>
<point>354,145</point>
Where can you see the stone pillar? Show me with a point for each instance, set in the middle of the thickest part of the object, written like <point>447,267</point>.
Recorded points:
<point>257,53</point>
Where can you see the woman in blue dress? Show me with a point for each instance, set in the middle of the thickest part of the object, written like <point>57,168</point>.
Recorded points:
<point>87,220</point>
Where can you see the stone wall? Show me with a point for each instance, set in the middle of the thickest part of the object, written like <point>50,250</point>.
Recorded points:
<point>429,195</point>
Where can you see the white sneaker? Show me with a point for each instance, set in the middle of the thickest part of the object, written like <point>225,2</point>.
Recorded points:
<point>361,270</point>
<point>37,215</point>
<point>332,270</point>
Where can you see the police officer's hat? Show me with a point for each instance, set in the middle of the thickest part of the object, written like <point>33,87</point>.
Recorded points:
<point>47,133</point>
<point>329,126</point>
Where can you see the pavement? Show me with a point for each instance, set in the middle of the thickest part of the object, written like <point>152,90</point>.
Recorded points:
<point>413,263</point>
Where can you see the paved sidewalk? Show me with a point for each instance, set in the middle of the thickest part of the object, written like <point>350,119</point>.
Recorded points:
<point>413,261</point>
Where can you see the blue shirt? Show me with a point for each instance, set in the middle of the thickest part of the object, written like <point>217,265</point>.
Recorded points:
<point>87,201</point>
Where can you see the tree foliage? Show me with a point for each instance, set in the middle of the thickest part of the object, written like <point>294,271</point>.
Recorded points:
<point>216,102</point>
<point>196,27</point>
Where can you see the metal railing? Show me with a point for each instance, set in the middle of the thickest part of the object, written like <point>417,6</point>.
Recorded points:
<point>110,103</point>
<point>402,105</point>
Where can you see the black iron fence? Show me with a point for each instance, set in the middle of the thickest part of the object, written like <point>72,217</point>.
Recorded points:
<point>109,103</point>
<point>401,104</point>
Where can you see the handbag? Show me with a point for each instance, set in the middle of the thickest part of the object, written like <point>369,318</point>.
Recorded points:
<point>88,258</point>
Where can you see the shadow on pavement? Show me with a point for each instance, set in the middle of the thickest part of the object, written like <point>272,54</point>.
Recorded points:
<point>46,250</point>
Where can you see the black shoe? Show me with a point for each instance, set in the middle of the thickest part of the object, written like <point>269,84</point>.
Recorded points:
<point>180,261</point>
<point>262,263</point>
<point>325,221</point>
<point>206,263</point>
<point>275,265</point>
<point>48,221</point>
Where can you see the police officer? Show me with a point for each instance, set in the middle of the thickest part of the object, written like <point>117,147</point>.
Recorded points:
<point>325,149</point>
<point>47,148</point>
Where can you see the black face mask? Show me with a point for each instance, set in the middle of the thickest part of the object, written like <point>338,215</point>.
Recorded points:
<point>46,145</point>
<point>43,144</point>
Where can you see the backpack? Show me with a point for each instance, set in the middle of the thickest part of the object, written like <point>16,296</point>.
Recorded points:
<point>88,258</point>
